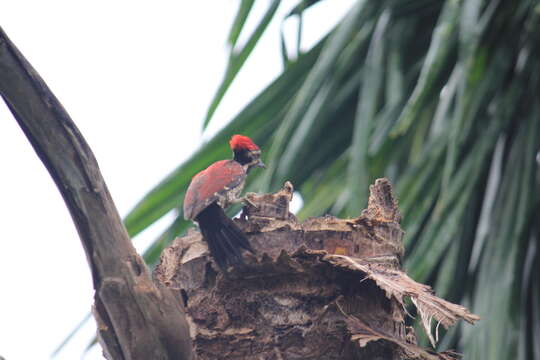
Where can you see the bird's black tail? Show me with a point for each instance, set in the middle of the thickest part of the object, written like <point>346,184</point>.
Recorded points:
<point>225,239</point>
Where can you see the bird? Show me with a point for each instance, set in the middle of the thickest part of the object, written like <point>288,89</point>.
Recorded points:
<point>215,188</point>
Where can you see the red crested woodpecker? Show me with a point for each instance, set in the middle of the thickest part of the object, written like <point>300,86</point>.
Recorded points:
<point>215,188</point>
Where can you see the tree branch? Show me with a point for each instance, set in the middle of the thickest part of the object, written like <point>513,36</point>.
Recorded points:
<point>137,318</point>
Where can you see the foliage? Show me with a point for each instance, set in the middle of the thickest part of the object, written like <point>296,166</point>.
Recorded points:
<point>442,98</point>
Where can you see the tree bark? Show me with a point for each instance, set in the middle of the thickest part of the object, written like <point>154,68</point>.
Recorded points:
<point>326,288</point>
<point>137,318</point>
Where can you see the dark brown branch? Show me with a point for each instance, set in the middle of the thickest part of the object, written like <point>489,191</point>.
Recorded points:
<point>137,319</point>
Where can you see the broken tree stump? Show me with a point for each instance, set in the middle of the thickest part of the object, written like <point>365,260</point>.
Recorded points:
<point>326,288</point>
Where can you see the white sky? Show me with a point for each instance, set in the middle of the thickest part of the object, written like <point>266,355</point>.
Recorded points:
<point>136,77</point>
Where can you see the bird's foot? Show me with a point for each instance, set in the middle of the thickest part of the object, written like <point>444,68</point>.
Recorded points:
<point>250,202</point>
<point>245,199</point>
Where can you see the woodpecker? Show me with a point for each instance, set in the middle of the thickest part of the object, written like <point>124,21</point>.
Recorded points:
<point>214,189</point>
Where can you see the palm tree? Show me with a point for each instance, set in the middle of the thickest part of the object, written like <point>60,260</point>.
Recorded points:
<point>441,97</point>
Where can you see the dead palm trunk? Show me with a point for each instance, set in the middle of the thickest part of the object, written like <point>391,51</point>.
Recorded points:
<point>327,288</point>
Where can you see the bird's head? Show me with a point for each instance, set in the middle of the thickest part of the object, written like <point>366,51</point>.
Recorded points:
<point>246,152</point>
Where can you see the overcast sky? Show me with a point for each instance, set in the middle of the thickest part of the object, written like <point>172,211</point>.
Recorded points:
<point>137,78</point>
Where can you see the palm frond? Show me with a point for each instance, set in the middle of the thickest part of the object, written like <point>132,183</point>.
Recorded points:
<point>442,98</point>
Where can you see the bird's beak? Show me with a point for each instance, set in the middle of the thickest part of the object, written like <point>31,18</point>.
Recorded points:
<point>260,164</point>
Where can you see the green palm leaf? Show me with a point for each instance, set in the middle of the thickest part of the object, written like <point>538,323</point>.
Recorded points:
<point>441,96</point>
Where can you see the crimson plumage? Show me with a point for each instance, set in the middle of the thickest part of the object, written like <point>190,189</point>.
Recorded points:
<point>242,142</point>
<point>206,186</point>
<point>212,190</point>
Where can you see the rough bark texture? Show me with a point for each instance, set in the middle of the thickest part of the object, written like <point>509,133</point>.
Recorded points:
<point>326,288</point>
<point>137,319</point>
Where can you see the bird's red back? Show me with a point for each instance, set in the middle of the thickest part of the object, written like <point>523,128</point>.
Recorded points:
<point>215,179</point>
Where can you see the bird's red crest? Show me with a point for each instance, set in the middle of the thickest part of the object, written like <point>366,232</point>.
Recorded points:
<point>239,142</point>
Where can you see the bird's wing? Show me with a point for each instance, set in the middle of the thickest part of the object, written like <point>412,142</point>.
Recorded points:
<point>216,179</point>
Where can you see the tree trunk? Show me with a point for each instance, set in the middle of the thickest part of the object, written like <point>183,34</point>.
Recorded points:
<point>137,319</point>
<point>326,288</point>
